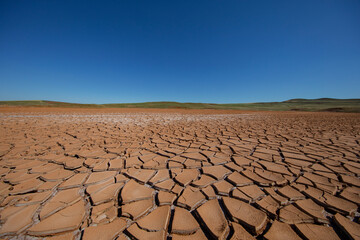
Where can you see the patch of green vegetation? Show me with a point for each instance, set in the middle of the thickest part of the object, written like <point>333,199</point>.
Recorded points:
<point>321,104</point>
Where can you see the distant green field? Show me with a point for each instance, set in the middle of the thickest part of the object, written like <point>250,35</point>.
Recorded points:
<point>322,104</point>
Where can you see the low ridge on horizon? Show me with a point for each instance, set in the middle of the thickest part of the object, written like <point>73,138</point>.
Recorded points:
<point>297,104</point>
<point>289,100</point>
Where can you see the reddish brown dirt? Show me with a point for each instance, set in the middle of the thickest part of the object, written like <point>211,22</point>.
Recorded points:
<point>178,174</point>
<point>56,110</point>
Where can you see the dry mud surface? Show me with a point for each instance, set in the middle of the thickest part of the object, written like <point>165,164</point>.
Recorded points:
<point>188,175</point>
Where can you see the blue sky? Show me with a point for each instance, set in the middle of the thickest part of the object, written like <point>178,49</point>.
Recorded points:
<point>187,51</point>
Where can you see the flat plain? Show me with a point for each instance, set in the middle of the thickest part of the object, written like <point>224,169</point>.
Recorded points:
<point>299,104</point>
<point>178,174</point>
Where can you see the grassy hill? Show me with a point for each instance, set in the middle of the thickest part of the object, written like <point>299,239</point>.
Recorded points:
<point>321,104</point>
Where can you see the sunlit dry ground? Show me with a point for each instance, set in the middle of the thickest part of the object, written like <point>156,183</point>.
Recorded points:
<point>177,174</point>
